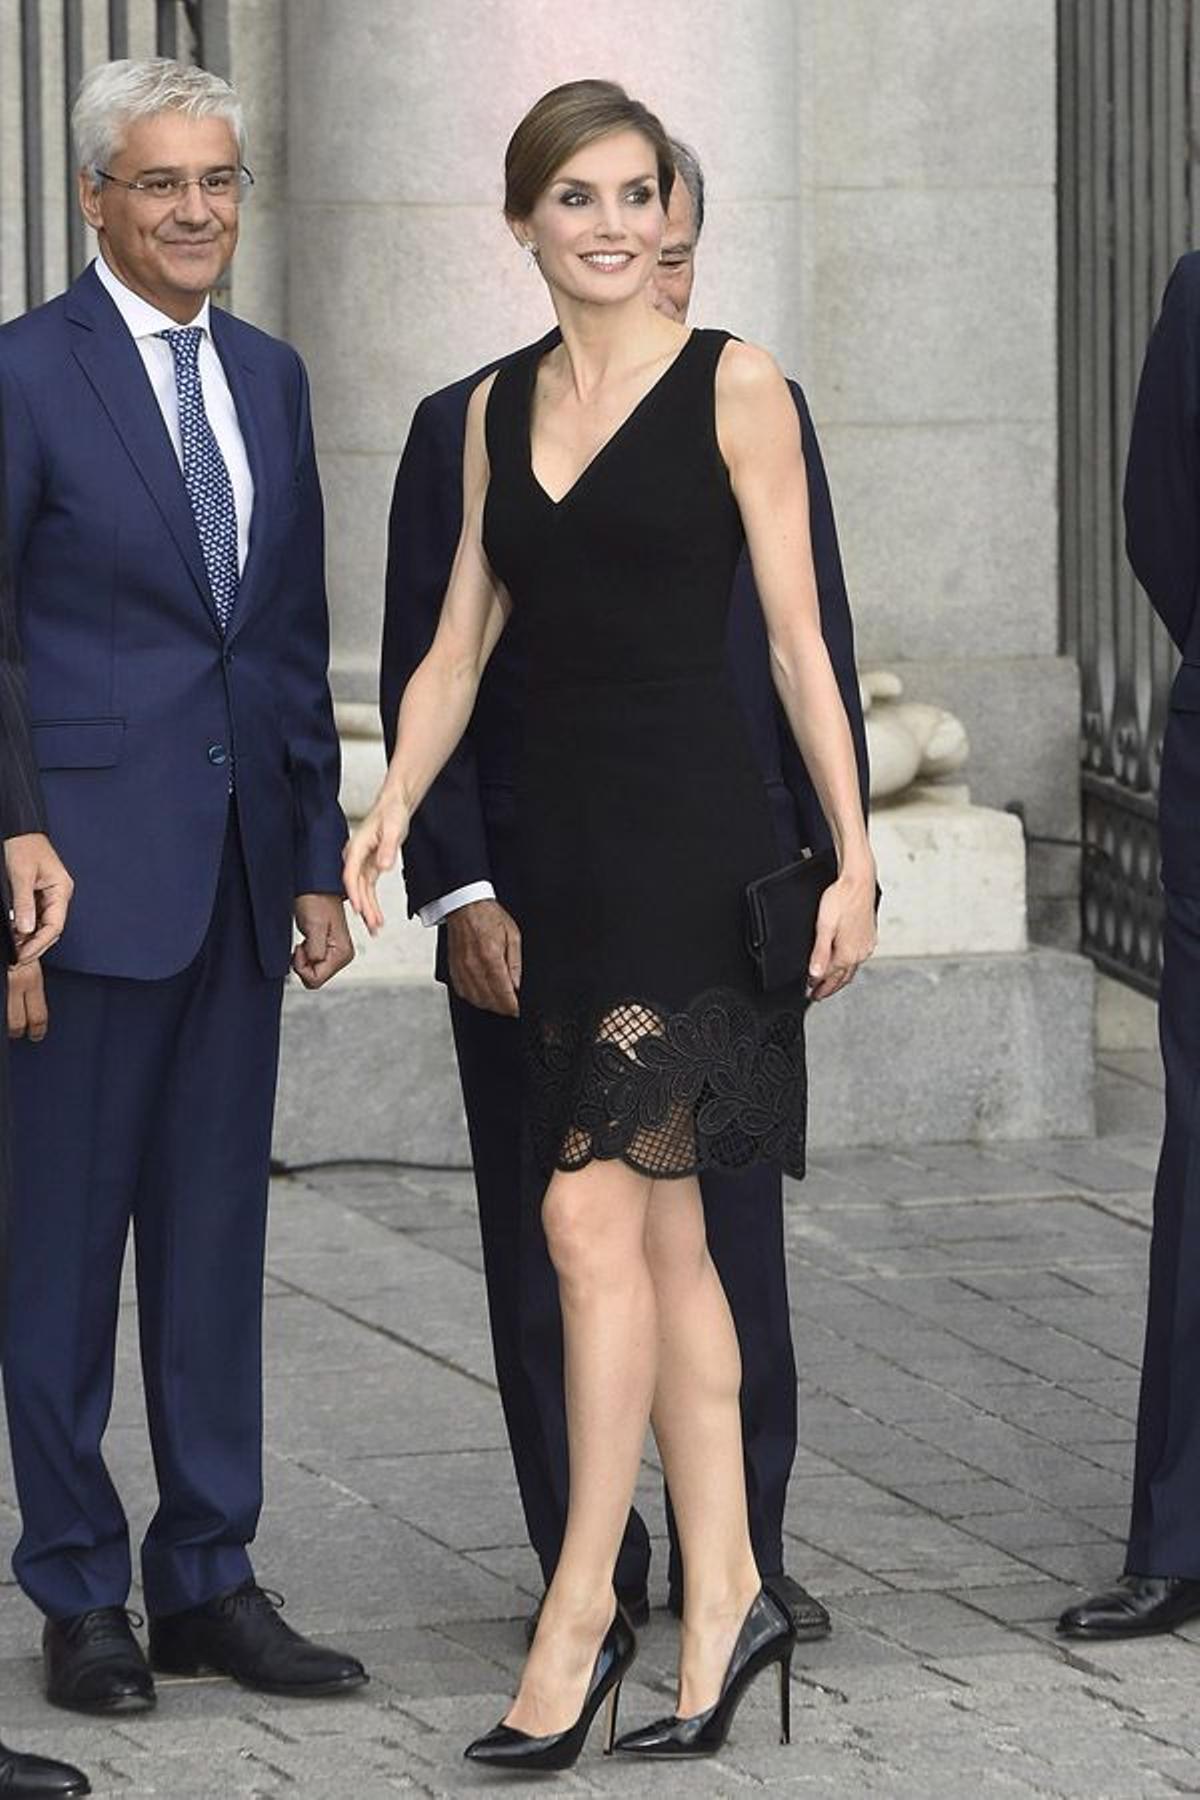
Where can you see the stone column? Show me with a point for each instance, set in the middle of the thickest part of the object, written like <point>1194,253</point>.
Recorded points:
<point>256,59</point>
<point>402,275</point>
<point>928,167</point>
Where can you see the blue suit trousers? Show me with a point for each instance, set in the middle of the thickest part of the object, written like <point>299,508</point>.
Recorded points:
<point>148,1103</point>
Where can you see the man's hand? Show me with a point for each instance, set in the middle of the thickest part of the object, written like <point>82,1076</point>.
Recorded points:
<point>484,947</point>
<point>325,945</point>
<point>27,1012</point>
<point>41,894</point>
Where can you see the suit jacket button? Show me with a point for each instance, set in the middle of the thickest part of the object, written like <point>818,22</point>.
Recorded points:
<point>217,753</point>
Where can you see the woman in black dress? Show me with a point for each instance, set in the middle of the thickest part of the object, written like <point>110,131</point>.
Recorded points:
<point>608,485</point>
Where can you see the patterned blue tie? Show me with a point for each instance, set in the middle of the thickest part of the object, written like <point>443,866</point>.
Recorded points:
<point>205,475</point>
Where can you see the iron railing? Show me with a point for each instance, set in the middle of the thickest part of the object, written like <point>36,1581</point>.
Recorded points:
<point>1128,203</point>
<point>58,40</point>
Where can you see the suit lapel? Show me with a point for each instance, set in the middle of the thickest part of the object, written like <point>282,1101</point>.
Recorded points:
<point>243,385</point>
<point>112,363</point>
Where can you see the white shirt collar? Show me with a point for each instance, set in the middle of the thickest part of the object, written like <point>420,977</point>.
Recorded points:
<point>142,319</point>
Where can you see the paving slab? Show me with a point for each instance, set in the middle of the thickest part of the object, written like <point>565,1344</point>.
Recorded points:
<point>967,1322</point>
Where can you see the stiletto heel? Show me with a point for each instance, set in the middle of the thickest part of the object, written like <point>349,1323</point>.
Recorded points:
<point>785,1699</point>
<point>505,1747</point>
<point>610,1735</point>
<point>767,1636</point>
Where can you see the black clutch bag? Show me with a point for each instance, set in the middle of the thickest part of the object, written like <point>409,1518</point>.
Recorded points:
<point>781,918</point>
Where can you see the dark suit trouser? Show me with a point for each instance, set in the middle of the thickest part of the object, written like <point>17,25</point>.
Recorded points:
<point>745,1231</point>
<point>1164,1536</point>
<point>148,1102</point>
<point>5,1146</point>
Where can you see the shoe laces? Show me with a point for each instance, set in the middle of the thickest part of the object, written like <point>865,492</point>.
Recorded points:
<point>251,1597</point>
<point>105,1622</point>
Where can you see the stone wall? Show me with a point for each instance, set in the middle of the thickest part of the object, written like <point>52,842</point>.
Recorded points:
<point>927,161</point>
<point>881,217</point>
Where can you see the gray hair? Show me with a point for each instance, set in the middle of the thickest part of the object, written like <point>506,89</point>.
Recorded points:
<point>113,94</point>
<point>687,167</point>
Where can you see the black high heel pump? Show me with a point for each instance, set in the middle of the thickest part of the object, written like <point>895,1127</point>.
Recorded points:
<point>506,1748</point>
<point>767,1636</point>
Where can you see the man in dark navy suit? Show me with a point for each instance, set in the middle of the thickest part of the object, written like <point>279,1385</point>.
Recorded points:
<point>1161,1584</point>
<point>459,869</point>
<point>166,540</point>
<point>35,892</point>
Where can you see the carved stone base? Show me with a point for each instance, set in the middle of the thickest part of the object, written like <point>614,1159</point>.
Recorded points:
<point>919,1049</point>
<point>953,876</point>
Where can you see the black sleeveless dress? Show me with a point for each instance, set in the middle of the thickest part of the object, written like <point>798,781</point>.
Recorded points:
<point>641,812</point>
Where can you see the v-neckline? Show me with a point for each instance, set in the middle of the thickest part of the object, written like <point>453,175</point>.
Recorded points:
<point>609,441</point>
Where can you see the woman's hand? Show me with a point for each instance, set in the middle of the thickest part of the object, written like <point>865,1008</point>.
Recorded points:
<point>372,850</point>
<point>846,933</point>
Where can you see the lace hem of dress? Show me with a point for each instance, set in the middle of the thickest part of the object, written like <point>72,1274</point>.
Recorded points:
<point>719,1085</point>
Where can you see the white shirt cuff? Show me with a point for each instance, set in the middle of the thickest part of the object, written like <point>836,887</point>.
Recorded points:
<point>437,910</point>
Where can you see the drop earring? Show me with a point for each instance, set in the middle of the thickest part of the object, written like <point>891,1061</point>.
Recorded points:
<point>531,255</point>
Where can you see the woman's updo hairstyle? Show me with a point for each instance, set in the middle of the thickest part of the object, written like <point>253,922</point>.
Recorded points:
<point>564,121</point>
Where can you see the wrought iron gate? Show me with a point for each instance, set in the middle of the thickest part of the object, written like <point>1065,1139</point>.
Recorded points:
<point>45,242</point>
<point>1129,107</point>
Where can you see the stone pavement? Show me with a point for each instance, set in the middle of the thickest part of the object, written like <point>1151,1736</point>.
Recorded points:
<point>968,1326</point>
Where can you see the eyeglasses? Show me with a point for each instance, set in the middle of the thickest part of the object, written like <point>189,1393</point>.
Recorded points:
<point>221,186</point>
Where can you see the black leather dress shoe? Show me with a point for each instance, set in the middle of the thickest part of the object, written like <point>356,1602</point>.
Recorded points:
<point>1138,1606</point>
<point>636,1608</point>
<point>810,1620</point>
<point>94,1664</point>
<point>38,1778</point>
<point>241,1634</point>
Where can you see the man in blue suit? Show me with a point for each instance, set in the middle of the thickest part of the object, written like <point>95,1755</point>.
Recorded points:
<point>459,868</point>
<point>166,539</point>
<point>1161,1585</point>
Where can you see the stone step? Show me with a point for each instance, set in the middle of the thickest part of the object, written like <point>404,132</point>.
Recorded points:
<point>918,1050</point>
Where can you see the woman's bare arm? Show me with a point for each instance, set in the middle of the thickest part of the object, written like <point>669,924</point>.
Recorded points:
<point>759,435</point>
<point>437,702</point>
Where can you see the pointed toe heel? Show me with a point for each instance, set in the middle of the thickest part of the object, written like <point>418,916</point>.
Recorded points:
<point>767,1637</point>
<point>504,1747</point>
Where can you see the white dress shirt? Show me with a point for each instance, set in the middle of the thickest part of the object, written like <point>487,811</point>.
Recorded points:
<point>145,322</point>
<point>437,910</point>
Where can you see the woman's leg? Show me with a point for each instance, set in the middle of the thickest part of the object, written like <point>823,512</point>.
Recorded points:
<point>697,1422</point>
<point>595,1220</point>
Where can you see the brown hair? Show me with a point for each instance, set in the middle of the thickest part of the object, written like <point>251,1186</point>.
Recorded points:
<point>563,121</point>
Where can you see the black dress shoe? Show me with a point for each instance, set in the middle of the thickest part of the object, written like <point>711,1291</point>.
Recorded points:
<point>37,1778</point>
<point>810,1620</point>
<point>636,1608</point>
<point>241,1634</point>
<point>504,1747</point>
<point>94,1664</point>
<point>1138,1606</point>
<point>766,1637</point>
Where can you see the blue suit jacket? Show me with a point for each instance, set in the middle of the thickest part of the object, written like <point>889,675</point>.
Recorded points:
<point>463,830</point>
<point>1162,537</point>
<point>138,703</point>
